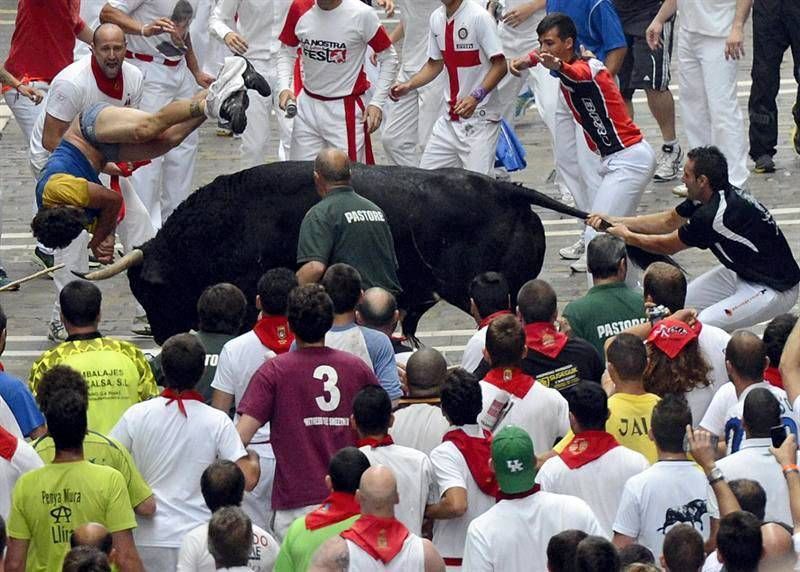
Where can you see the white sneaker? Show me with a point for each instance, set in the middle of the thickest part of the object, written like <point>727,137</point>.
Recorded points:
<point>575,251</point>
<point>680,191</point>
<point>579,265</point>
<point>228,82</point>
<point>669,163</point>
<point>566,197</point>
<point>56,332</point>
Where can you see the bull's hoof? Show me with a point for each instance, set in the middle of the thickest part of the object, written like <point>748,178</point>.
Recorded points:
<point>233,109</point>
<point>254,80</point>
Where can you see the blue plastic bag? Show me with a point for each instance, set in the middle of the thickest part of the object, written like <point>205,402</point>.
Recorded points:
<point>509,152</point>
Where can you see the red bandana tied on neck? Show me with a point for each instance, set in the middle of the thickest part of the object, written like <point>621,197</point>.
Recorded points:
<point>671,336</point>
<point>372,442</point>
<point>510,379</point>
<point>586,447</point>
<point>273,332</point>
<point>488,319</point>
<point>336,508</point>
<point>542,337</point>
<point>110,87</point>
<point>181,396</point>
<point>772,375</point>
<point>381,538</point>
<point>476,451</point>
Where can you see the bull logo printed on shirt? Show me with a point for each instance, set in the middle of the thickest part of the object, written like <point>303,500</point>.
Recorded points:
<point>325,51</point>
<point>61,513</point>
<point>690,513</point>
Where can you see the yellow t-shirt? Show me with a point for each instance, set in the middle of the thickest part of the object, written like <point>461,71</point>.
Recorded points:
<point>48,503</point>
<point>629,422</point>
<point>116,372</point>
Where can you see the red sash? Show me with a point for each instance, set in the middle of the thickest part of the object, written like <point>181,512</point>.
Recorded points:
<point>181,396</point>
<point>543,338</point>
<point>586,447</point>
<point>510,379</point>
<point>476,451</point>
<point>488,319</point>
<point>372,442</point>
<point>336,508</point>
<point>110,87</point>
<point>274,333</point>
<point>381,538</point>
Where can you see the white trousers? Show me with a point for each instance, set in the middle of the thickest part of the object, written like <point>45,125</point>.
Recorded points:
<point>258,502</point>
<point>466,144</point>
<point>327,123</point>
<point>74,257</point>
<point>25,111</point>
<point>545,88</point>
<point>256,138</point>
<point>709,107</point>
<point>410,120</point>
<point>166,182</point>
<point>209,51</point>
<point>283,519</point>
<point>728,302</point>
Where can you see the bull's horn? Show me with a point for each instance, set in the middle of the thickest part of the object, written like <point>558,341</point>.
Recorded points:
<point>133,258</point>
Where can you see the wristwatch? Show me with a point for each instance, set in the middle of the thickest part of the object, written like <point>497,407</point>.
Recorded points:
<point>715,475</point>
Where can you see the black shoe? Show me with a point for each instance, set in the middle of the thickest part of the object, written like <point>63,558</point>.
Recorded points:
<point>233,109</point>
<point>764,164</point>
<point>5,281</point>
<point>254,80</point>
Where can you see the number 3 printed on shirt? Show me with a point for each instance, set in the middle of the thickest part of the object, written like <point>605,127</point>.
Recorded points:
<point>329,378</point>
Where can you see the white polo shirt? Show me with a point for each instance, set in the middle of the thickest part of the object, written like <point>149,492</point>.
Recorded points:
<point>420,426</point>
<point>238,361</point>
<point>172,451</point>
<point>473,351</point>
<point>451,471</point>
<point>16,459</point>
<point>543,413</point>
<point>194,555</point>
<point>599,482</point>
<point>416,483</point>
<point>512,536</point>
<point>666,494</point>
<point>754,461</point>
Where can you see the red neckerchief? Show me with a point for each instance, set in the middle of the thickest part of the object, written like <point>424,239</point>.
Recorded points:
<point>510,379</point>
<point>181,396</point>
<point>371,442</point>
<point>128,167</point>
<point>542,337</point>
<point>381,538</point>
<point>488,319</point>
<point>586,447</point>
<point>274,333</point>
<point>772,375</point>
<point>476,451</point>
<point>336,508</point>
<point>671,335</point>
<point>110,87</point>
<point>8,444</point>
<point>510,496</point>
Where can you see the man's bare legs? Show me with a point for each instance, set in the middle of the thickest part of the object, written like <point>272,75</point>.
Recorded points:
<point>662,106</point>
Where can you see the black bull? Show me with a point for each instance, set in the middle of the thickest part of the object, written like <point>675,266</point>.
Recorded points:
<point>448,225</point>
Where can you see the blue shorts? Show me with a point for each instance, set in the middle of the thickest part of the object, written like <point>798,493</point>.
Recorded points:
<point>65,179</point>
<point>87,120</point>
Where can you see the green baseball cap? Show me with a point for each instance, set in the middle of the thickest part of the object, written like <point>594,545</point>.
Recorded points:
<point>513,460</point>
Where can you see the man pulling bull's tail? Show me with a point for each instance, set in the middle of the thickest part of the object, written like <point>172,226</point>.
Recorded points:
<point>69,193</point>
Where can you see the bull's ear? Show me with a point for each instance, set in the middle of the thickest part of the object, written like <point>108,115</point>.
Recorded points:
<point>153,271</point>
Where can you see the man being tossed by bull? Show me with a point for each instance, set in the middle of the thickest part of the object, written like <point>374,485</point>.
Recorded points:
<point>69,193</point>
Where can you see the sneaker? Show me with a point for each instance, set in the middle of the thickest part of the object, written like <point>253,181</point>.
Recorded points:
<point>56,332</point>
<point>669,163</point>
<point>254,80</point>
<point>41,258</point>
<point>764,164</point>
<point>579,265</point>
<point>524,102</point>
<point>93,262</point>
<point>224,128</point>
<point>566,197</point>
<point>141,326</point>
<point>680,191</point>
<point>575,251</point>
<point>5,281</point>
<point>234,110</point>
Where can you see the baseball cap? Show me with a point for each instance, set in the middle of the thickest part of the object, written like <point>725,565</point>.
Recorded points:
<point>513,460</point>
<point>671,336</point>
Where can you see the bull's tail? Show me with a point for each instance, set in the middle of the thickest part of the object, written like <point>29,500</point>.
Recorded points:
<point>642,258</point>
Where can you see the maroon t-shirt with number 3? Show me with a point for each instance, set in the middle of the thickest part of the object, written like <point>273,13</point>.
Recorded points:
<point>307,396</point>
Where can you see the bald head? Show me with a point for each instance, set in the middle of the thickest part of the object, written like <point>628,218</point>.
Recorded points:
<point>377,492</point>
<point>332,166</point>
<point>107,32</point>
<point>425,372</point>
<point>378,309</point>
<point>746,356</point>
<point>778,548</point>
<point>92,534</point>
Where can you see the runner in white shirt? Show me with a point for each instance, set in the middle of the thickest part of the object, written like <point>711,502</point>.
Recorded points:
<point>539,410</point>
<point>513,535</point>
<point>411,118</point>
<point>159,45</point>
<point>461,463</point>
<point>488,299</point>
<point>672,491</point>
<point>372,416</point>
<point>593,467</point>
<point>222,484</point>
<point>332,37</point>
<point>239,359</point>
<point>102,76</point>
<point>172,439</point>
<point>16,459</point>
<point>463,39</point>
<point>256,36</point>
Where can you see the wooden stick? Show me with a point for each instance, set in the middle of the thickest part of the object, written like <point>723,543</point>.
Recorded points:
<point>11,285</point>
